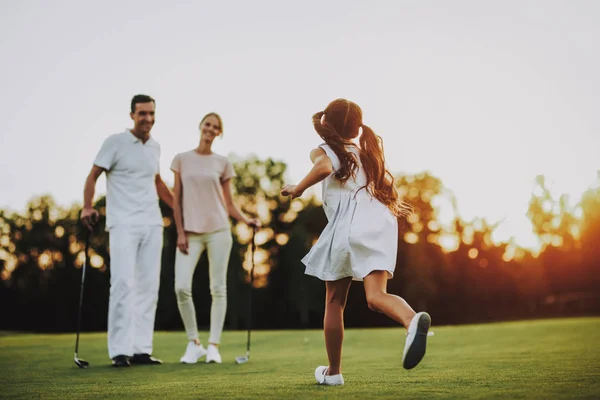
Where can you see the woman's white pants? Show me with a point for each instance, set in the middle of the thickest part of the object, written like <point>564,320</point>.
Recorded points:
<point>218,246</point>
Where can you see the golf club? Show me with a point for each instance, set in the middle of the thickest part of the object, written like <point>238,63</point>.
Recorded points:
<point>246,358</point>
<point>78,361</point>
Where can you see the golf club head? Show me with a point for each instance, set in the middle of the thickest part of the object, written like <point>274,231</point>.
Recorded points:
<point>81,363</point>
<point>242,359</point>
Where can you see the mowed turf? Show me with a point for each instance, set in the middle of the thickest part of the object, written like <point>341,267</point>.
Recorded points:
<point>545,359</point>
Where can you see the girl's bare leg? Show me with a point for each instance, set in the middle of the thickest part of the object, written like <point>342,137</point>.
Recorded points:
<point>381,301</point>
<point>333,325</point>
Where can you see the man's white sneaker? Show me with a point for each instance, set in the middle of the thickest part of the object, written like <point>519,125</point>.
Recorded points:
<point>213,355</point>
<point>193,353</point>
<point>330,380</point>
<point>416,340</point>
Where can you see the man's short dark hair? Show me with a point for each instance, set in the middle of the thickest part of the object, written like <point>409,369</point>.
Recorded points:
<point>141,98</point>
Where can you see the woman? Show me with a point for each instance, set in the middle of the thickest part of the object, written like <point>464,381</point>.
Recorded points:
<point>202,206</point>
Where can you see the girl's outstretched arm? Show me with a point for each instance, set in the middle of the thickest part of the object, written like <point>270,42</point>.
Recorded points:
<point>321,169</point>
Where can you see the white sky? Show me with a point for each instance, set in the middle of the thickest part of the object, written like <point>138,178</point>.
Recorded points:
<point>483,94</point>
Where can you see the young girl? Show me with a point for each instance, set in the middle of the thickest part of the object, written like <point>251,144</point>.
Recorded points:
<point>202,205</point>
<point>360,239</point>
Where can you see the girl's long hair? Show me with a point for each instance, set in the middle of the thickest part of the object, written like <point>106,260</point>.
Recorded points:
<point>340,125</point>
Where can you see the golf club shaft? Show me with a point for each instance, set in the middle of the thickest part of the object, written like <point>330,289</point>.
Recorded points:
<point>85,262</point>
<point>250,293</point>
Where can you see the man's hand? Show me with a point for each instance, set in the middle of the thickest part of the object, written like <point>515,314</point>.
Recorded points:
<point>291,190</point>
<point>182,242</point>
<point>89,217</point>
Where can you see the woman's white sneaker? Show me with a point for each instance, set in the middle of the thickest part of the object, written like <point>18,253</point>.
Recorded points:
<point>193,353</point>
<point>416,340</point>
<point>213,355</point>
<point>331,380</point>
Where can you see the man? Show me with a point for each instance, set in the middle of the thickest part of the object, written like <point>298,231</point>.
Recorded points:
<point>134,222</point>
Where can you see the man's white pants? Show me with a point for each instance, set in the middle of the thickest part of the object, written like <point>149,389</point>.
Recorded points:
<point>135,257</point>
<point>218,245</point>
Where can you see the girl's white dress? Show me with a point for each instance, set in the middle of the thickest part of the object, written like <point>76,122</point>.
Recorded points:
<point>361,235</point>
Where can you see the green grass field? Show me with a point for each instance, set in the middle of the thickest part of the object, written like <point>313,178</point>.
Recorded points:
<point>546,359</point>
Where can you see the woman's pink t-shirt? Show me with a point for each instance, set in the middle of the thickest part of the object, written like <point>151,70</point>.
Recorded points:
<point>202,176</point>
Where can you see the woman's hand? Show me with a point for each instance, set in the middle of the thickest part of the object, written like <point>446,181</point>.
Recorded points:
<point>182,242</point>
<point>254,223</point>
<point>291,190</point>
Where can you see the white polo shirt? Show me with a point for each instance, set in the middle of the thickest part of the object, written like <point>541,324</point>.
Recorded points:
<point>131,168</point>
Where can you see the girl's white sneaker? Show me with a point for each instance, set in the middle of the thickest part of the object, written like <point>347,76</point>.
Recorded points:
<point>193,353</point>
<point>331,380</point>
<point>416,340</point>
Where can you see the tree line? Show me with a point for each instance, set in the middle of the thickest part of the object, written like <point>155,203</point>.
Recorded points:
<point>456,272</point>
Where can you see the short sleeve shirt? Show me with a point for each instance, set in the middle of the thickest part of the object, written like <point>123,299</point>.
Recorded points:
<point>131,168</point>
<point>203,202</point>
